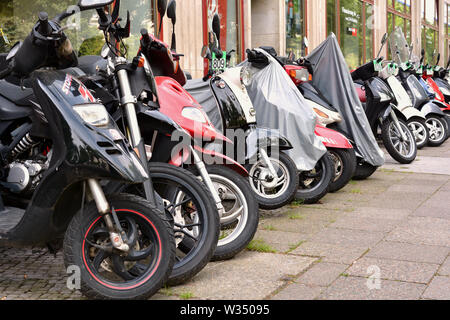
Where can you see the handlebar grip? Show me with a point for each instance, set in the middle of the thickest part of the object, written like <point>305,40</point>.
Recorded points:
<point>5,73</point>
<point>145,36</point>
<point>102,16</point>
<point>44,27</point>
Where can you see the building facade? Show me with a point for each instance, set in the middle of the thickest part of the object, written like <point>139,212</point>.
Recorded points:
<point>358,24</point>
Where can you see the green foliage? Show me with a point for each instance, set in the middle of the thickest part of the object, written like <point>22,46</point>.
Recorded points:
<point>91,46</point>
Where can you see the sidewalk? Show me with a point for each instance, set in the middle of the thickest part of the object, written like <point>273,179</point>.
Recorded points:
<point>384,238</point>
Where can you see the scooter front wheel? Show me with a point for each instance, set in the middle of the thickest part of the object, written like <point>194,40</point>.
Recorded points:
<point>438,130</point>
<point>403,151</point>
<point>345,165</point>
<point>106,273</point>
<point>420,131</point>
<point>274,192</point>
<point>315,184</point>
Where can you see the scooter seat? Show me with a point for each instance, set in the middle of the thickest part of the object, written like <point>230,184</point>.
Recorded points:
<point>15,93</point>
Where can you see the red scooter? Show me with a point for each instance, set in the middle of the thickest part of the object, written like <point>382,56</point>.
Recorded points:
<point>169,112</point>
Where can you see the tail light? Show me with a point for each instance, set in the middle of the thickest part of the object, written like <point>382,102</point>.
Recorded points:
<point>298,74</point>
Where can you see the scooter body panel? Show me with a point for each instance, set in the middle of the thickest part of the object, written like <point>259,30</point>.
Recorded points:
<point>76,157</point>
<point>332,139</point>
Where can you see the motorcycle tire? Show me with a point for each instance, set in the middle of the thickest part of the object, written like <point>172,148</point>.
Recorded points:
<point>420,131</point>
<point>237,198</point>
<point>390,135</point>
<point>174,184</point>
<point>272,197</point>
<point>438,130</point>
<point>100,270</point>
<point>345,166</point>
<point>315,184</point>
<point>364,171</point>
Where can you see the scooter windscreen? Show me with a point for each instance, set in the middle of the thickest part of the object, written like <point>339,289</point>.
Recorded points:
<point>280,105</point>
<point>332,77</point>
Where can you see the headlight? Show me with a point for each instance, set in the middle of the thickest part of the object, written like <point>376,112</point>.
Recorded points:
<point>95,114</point>
<point>445,91</point>
<point>194,114</point>
<point>246,77</point>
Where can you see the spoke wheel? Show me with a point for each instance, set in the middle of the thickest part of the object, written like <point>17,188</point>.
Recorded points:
<point>437,129</point>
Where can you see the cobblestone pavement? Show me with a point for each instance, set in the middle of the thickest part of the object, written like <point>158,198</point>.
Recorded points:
<point>384,238</point>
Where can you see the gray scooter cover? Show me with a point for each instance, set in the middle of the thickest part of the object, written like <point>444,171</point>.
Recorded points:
<point>332,77</point>
<point>280,105</point>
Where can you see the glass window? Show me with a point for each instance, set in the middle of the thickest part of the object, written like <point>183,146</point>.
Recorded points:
<point>17,17</point>
<point>430,29</point>
<point>295,26</point>
<point>353,23</point>
<point>229,12</point>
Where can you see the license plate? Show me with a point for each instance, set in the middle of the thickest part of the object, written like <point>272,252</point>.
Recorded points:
<point>219,64</point>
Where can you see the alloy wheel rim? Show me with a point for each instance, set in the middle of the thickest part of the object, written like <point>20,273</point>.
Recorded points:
<point>266,189</point>
<point>419,131</point>
<point>235,217</point>
<point>436,129</point>
<point>404,148</point>
<point>338,165</point>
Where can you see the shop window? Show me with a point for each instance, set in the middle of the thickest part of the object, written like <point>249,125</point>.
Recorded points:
<point>447,34</point>
<point>430,27</point>
<point>231,37</point>
<point>353,23</point>
<point>295,26</point>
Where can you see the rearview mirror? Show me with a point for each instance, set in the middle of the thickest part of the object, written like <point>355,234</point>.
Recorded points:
<point>162,7</point>
<point>216,27</point>
<point>205,52</point>
<point>384,39</point>
<point>92,4</point>
<point>105,51</point>
<point>172,11</point>
<point>305,42</point>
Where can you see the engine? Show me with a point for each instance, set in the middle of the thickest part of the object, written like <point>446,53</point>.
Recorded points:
<point>24,176</point>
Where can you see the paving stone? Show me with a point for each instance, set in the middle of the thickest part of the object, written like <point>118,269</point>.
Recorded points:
<point>398,200</point>
<point>417,231</point>
<point>395,270</point>
<point>439,289</point>
<point>348,237</point>
<point>353,288</point>
<point>254,276</point>
<point>322,274</point>
<point>331,252</point>
<point>445,268</point>
<point>279,240</point>
<point>298,291</point>
<point>377,213</point>
<point>409,252</point>
<point>365,224</point>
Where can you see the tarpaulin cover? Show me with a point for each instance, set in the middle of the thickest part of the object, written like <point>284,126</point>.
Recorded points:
<point>332,77</point>
<point>280,105</point>
<point>201,91</point>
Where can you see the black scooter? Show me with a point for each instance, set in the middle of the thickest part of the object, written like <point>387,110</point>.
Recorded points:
<point>57,144</point>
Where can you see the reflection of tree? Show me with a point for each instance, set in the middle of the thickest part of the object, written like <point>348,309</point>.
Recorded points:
<point>17,17</point>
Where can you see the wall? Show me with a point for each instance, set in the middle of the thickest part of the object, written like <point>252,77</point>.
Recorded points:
<point>189,35</point>
<point>268,24</point>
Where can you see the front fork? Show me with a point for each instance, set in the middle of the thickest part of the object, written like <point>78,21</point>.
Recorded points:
<point>207,180</point>
<point>116,234</point>
<point>128,102</point>
<point>397,125</point>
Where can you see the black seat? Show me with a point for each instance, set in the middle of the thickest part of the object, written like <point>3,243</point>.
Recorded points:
<point>11,89</point>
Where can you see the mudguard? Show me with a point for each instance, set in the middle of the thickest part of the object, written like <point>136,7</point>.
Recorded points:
<point>409,113</point>
<point>332,138</point>
<point>263,138</point>
<point>433,107</point>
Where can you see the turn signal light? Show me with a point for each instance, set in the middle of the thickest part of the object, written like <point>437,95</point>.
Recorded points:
<point>320,113</point>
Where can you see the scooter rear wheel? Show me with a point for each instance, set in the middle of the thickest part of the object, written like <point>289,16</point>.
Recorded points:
<point>364,170</point>
<point>109,274</point>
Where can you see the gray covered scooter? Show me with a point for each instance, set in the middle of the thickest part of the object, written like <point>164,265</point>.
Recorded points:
<point>332,77</point>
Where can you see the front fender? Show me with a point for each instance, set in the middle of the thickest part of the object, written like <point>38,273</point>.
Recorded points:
<point>409,113</point>
<point>263,138</point>
<point>332,139</point>
<point>433,107</point>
